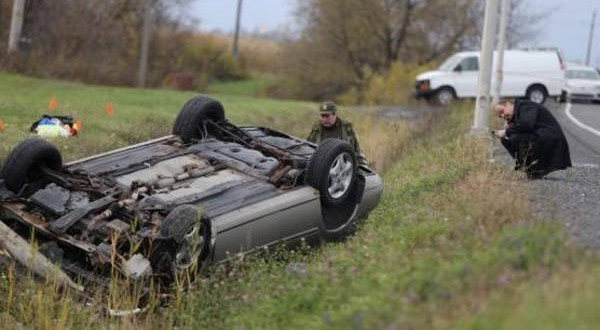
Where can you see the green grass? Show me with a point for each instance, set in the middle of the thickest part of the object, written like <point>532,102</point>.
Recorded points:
<point>441,251</point>
<point>138,114</point>
<point>452,245</point>
<point>256,87</point>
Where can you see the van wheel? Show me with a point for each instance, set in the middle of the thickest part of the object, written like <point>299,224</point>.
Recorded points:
<point>444,96</point>
<point>537,94</point>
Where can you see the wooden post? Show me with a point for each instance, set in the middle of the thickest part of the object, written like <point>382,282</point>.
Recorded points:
<point>146,31</point>
<point>16,25</point>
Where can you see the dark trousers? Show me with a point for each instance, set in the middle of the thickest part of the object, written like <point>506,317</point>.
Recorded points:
<point>525,148</point>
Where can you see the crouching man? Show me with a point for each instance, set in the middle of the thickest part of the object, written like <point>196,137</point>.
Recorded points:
<point>533,138</point>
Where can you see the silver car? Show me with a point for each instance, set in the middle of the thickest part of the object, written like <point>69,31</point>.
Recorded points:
<point>173,205</point>
<point>582,83</point>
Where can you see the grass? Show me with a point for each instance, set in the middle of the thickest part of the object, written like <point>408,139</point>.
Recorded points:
<point>256,87</point>
<point>453,243</point>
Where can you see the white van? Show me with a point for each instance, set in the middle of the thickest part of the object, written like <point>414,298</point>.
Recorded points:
<point>534,74</point>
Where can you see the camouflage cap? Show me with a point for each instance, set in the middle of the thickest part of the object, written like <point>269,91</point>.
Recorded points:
<point>328,106</point>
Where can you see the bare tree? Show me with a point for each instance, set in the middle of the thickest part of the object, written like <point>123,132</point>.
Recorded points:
<point>351,40</point>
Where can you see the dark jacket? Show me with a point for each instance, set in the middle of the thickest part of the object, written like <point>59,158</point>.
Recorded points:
<point>535,139</point>
<point>341,130</point>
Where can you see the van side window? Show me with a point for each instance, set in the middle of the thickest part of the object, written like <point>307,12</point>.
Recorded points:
<point>468,64</point>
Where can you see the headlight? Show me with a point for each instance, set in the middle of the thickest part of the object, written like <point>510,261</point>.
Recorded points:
<point>423,85</point>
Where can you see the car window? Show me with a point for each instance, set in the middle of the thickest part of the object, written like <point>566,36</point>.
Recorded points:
<point>582,74</point>
<point>469,64</point>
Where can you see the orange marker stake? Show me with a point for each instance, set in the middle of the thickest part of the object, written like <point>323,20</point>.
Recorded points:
<point>2,126</point>
<point>53,104</point>
<point>110,109</point>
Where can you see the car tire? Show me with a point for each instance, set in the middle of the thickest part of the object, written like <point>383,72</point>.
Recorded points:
<point>190,122</point>
<point>563,97</point>
<point>24,162</point>
<point>537,94</point>
<point>187,235</point>
<point>337,157</point>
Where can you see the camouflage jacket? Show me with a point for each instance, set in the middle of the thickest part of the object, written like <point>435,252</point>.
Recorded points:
<point>342,130</point>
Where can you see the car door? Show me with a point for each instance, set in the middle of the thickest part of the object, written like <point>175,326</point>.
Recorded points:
<point>465,75</point>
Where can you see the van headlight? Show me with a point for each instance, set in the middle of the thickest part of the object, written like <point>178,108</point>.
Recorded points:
<point>423,85</point>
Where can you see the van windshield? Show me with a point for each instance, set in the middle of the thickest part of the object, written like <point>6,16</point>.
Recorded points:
<point>582,74</point>
<point>450,63</point>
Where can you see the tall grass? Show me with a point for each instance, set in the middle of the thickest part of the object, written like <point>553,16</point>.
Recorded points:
<point>453,244</point>
<point>140,115</point>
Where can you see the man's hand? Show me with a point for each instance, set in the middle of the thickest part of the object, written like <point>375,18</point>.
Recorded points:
<point>499,133</point>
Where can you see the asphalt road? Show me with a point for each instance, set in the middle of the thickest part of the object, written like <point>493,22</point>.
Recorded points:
<point>573,196</point>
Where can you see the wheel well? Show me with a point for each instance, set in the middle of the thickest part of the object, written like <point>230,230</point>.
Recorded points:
<point>536,85</point>
<point>447,87</point>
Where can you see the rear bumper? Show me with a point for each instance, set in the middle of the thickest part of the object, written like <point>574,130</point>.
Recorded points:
<point>581,95</point>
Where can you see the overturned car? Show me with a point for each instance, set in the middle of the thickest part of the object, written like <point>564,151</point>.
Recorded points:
<point>200,196</point>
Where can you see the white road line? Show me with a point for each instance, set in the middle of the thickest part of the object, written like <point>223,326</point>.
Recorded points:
<point>577,122</point>
<point>586,165</point>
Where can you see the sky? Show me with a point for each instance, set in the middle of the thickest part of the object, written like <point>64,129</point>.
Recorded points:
<point>566,26</point>
<point>257,15</point>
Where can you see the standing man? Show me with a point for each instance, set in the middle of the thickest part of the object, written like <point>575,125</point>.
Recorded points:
<point>332,126</point>
<point>533,138</point>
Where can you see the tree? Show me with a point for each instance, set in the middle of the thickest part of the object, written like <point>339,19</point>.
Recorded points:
<point>345,42</point>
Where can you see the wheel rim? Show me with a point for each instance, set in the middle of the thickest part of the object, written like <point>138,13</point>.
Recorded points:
<point>445,97</point>
<point>536,96</point>
<point>188,250</point>
<point>340,175</point>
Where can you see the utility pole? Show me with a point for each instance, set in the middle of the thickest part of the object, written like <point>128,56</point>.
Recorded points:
<point>589,50</point>
<point>505,8</point>
<point>16,25</point>
<point>146,31</point>
<point>482,103</point>
<point>237,31</point>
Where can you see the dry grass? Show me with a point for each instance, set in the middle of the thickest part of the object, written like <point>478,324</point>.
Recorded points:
<point>382,142</point>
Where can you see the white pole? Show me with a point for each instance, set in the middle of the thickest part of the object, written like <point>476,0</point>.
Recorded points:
<point>16,25</point>
<point>505,8</point>
<point>589,48</point>
<point>237,30</point>
<point>482,103</point>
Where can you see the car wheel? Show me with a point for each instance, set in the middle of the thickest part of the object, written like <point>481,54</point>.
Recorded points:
<point>332,171</point>
<point>563,97</point>
<point>444,96</point>
<point>190,122</point>
<point>184,226</point>
<point>25,161</point>
<point>537,94</point>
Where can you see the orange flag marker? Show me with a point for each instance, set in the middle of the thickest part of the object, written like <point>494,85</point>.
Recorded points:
<point>110,109</point>
<point>53,104</point>
<point>2,126</point>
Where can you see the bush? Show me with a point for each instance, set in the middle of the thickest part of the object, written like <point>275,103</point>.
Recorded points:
<point>392,87</point>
